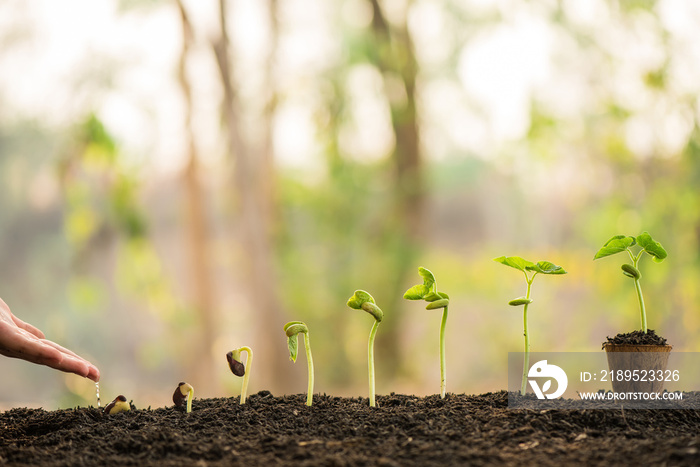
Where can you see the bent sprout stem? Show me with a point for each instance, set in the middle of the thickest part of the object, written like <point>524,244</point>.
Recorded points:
<point>292,329</point>
<point>237,368</point>
<point>184,391</point>
<point>362,300</point>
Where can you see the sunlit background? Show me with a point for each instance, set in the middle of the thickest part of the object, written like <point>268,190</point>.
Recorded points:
<point>183,178</point>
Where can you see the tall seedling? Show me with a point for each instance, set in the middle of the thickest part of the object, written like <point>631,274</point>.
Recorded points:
<point>620,243</point>
<point>530,270</point>
<point>292,330</point>
<point>428,291</point>
<point>362,300</point>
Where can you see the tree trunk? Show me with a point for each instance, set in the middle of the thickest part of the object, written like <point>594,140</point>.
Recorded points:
<point>201,365</point>
<point>396,56</point>
<point>254,182</point>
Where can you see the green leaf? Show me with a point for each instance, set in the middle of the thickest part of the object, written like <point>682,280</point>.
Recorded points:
<point>515,262</point>
<point>417,292</point>
<point>546,267</point>
<point>520,301</point>
<point>617,244</point>
<point>422,291</point>
<point>428,278</point>
<point>293,345</point>
<point>359,298</point>
<point>652,247</point>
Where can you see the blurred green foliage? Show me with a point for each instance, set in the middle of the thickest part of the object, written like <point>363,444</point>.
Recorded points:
<point>91,251</point>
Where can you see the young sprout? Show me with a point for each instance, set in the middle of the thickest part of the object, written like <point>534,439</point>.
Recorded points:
<point>530,270</point>
<point>238,369</point>
<point>620,243</point>
<point>183,392</point>
<point>117,405</point>
<point>361,300</point>
<point>428,291</point>
<point>292,329</point>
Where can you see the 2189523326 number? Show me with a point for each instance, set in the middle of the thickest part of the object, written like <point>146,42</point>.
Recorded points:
<point>640,375</point>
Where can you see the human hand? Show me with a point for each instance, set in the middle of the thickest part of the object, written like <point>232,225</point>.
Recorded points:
<point>22,340</point>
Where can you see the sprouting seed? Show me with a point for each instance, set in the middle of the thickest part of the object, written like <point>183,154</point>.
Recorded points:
<point>119,404</point>
<point>183,392</point>
<point>237,367</point>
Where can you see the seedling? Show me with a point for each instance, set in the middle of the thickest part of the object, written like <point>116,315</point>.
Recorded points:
<point>530,270</point>
<point>183,392</point>
<point>117,405</point>
<point>238,369</point>
<point>620,243</point>
<point>292,329</point>
<point>361,300</point>
<point>428,291</point>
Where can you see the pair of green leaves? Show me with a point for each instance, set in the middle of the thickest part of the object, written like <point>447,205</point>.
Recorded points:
<point>620,243</point>
<point>540,267</point>
<point>427,291</point>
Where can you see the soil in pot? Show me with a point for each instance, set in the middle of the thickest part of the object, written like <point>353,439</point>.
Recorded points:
<point>637,338</point>
<point>641,356</point>
<point>402,431</point>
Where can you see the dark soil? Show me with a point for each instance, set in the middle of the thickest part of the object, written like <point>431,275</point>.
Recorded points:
<point>404,430</point>
<point>637,338</point>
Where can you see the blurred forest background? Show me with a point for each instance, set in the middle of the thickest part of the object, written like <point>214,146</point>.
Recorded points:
<point>180,178</point>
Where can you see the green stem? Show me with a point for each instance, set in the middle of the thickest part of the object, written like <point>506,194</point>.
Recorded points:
<point>443,366</point>
<point>526,356</point>
<point>642,309</point>
<point>246,376</point>
<point>190,396</point>
<point>638,288</point>
<point>641,305</point>
<point>370,362</point>
<point>310,361</point>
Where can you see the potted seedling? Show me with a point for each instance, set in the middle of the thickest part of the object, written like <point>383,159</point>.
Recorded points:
<point>530,270</point>
<point>362,300</point>
<point>292,330</point>
<point>237,368</point>
<point>643,349</point>
<point>119,404</point>
<point>183,393</point>
<point>428,291</point>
